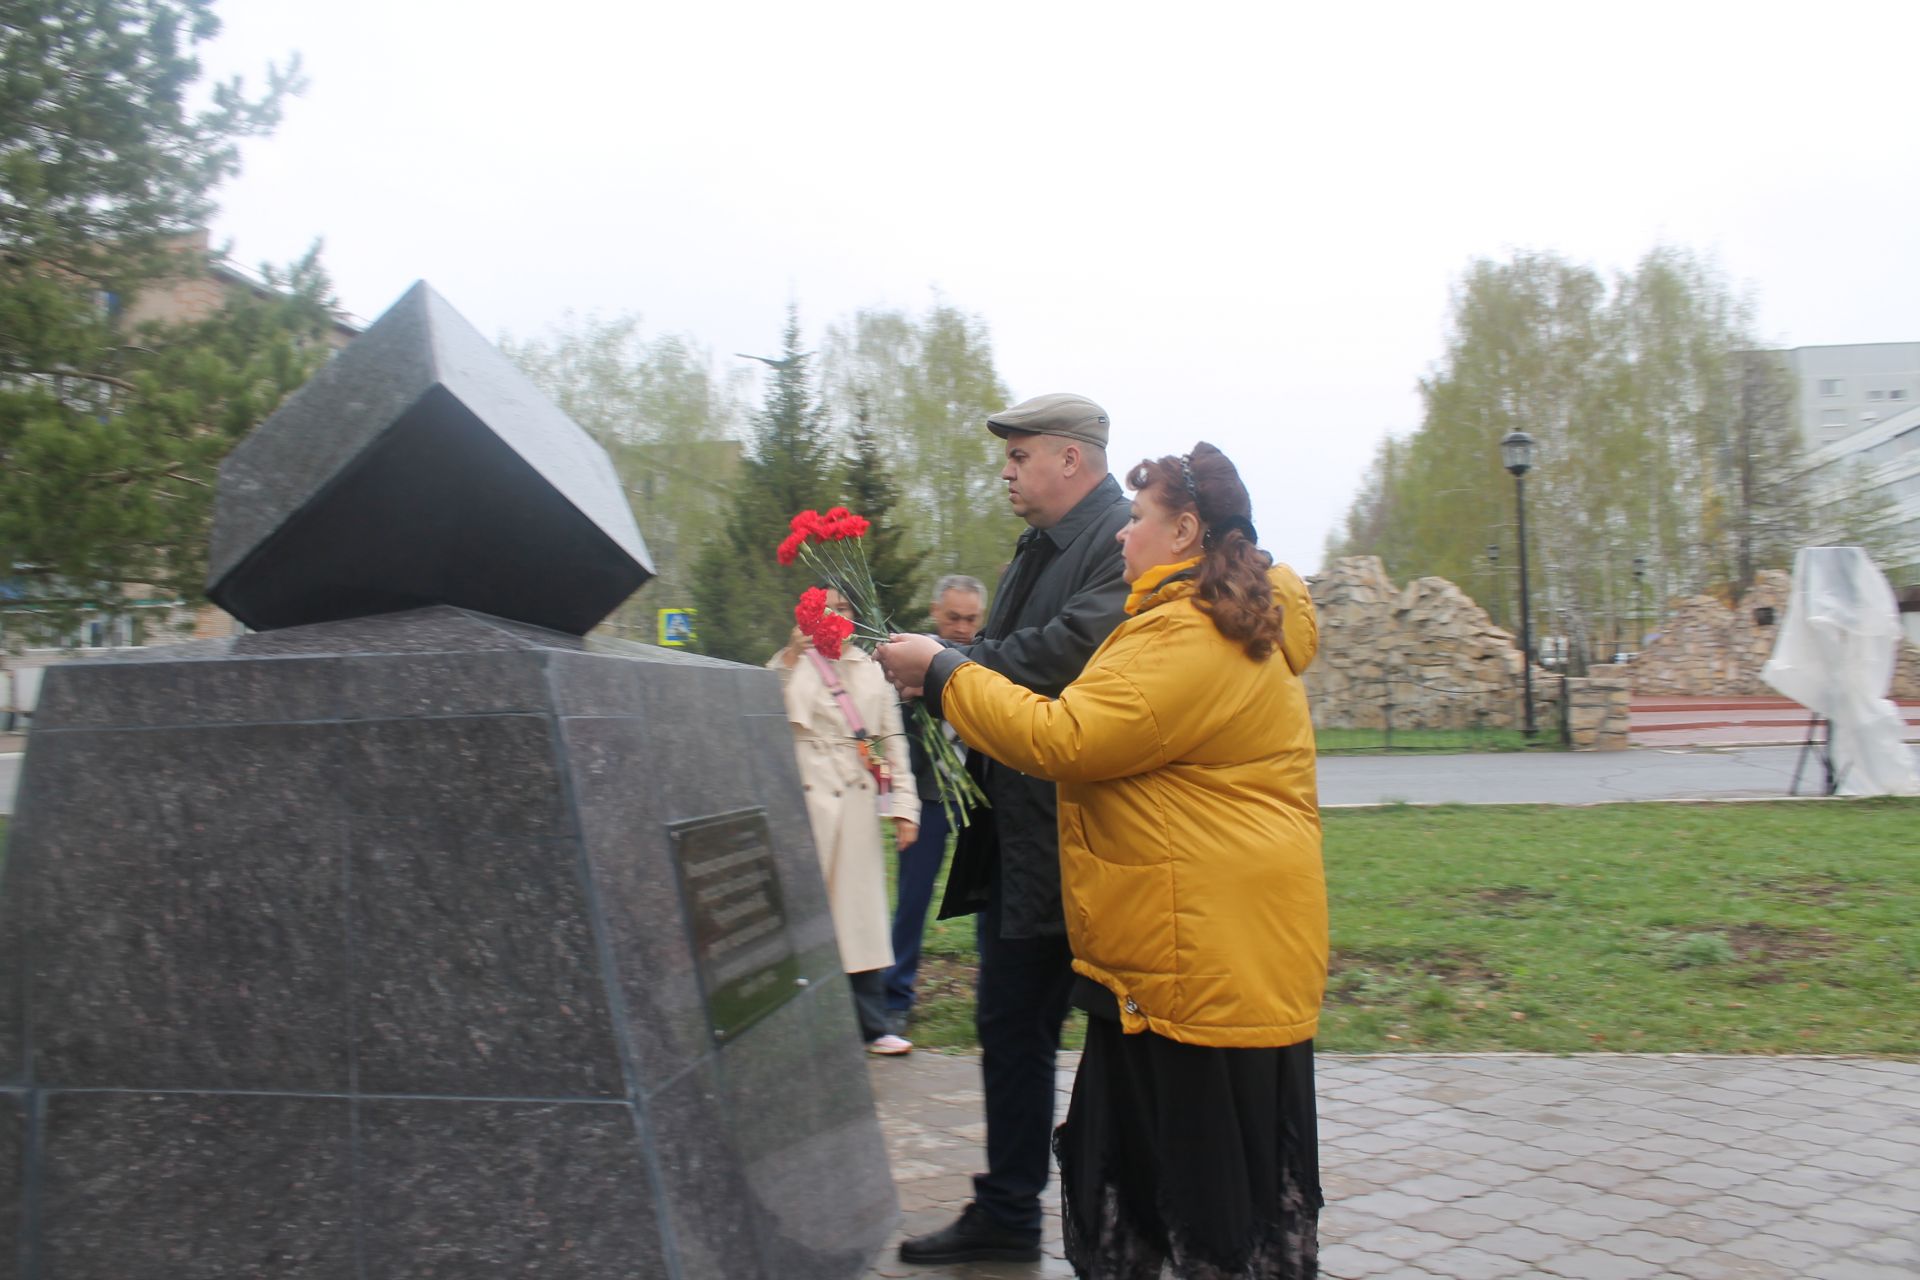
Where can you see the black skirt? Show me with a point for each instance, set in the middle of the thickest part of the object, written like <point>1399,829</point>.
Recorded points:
<point>1204,1158</point>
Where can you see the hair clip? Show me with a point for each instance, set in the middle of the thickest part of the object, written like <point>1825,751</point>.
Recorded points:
<point>1220,530</point>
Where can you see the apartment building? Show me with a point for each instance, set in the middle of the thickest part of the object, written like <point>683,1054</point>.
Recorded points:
<point>1853,387</point>
<point>1859,413</point>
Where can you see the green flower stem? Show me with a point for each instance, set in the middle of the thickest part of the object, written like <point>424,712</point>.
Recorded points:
<point>842,565</point>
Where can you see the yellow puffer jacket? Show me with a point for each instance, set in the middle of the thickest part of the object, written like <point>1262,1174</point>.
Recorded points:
<point>1189,822</point>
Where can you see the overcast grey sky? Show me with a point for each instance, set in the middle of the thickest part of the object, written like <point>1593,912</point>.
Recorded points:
<point>1230,222</point>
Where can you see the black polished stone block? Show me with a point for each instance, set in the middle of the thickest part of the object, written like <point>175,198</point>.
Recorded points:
<point>13,1152</point>
<point>497,774</point>
<point>437,661</point>
<point>793,1085</point>
<point>13,991</point>
<point>196,1187</point>
<point>624,826</point>
<point>420,467</point>
<point>188,909</point>
<point>864,1204</point>
<point>693,774</point>
<point>704,1187</point>
<point>595,681</point>
<point>476,971</point>
<point>463,1189</point>
<point>436,913</point>
<point>768,743</point>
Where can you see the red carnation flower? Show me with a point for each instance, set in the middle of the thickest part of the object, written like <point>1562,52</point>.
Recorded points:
<point>832,633</point>
<point>847,569</point>
<point>841,523</point>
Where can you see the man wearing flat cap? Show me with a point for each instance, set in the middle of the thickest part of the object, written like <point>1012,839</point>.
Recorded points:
<point>1057,601</point>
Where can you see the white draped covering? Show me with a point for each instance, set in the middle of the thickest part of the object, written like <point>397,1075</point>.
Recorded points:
<point>1835,657</point>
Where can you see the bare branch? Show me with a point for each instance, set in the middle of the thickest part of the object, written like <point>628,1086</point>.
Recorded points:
<point>106,379</point>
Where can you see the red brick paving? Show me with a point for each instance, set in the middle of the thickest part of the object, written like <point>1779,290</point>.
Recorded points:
<point>1666,721</point>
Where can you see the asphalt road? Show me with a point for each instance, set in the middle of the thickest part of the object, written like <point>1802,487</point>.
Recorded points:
<point>1575,777</point>
<point>1587,777</point>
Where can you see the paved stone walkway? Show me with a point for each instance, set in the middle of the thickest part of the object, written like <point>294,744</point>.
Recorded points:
<point>1594,1167</point>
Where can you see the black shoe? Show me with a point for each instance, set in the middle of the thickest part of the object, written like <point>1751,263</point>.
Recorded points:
<point>973,1238</point>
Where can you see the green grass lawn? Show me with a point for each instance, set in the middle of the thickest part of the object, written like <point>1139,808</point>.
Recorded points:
<point>1730,928</point>
<point>1431,741</point>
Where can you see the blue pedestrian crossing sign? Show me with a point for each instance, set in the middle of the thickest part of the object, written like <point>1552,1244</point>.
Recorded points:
<point>676,627</point>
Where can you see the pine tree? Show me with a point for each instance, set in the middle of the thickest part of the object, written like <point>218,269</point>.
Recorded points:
<point>745,597</point>
<point>101,161</point>
<point>110,436</point>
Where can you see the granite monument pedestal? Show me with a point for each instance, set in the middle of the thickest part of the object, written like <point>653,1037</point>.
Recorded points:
<point>424,945</point>
<point>416,936</point>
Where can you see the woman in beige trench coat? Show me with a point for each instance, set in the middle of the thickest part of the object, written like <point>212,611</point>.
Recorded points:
<point>843,808</point>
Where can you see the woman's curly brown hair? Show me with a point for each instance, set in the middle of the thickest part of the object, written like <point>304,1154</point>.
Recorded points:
<point>1233,589</point>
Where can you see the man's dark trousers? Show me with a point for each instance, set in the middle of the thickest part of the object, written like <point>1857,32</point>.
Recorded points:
<point>919,868</point>
<point>1021,1001</point>
<point>1063,595</point>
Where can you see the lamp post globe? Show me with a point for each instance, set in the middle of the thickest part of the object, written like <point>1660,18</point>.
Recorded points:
<point>1516,452</point>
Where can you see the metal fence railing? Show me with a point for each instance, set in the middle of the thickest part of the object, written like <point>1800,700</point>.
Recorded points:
<point>1593,657</point>
<point>1400,711</point>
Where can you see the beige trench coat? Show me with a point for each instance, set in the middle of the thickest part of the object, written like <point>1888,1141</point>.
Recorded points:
<point>841,804</point>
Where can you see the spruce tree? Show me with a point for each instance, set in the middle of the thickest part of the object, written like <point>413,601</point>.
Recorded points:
<point>872,492</point>
<point>745,597</point>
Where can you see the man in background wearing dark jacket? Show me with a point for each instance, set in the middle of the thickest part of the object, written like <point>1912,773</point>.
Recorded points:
<point>1061,596</point>
<point>959,607</point>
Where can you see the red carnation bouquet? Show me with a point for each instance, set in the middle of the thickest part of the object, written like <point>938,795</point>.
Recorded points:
<point>828,631</point>
<point>829,544</point>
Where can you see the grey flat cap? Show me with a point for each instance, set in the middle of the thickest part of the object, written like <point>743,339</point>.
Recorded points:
<point>1058,413</point>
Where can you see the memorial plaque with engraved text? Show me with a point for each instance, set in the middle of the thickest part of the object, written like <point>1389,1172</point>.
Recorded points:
<point>732,894</point>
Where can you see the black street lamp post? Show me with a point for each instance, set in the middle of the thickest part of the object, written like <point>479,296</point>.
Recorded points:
<point>1640,601</point>
<point>1516,454</point>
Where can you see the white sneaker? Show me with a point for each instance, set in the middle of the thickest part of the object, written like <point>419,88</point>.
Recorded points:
<point>890,1046</point>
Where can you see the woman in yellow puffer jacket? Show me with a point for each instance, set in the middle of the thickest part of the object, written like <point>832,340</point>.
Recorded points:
<point>1192,882</point>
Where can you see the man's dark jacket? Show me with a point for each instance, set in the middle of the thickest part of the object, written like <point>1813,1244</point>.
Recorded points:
<point>925,785</point>
<point>1040,634</point>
